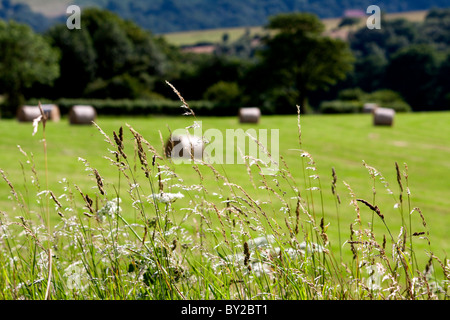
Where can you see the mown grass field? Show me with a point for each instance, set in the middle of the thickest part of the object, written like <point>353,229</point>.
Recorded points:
<point>421,140</point>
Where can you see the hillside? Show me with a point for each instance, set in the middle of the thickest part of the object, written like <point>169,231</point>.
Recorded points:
<point>162,16</point>
<point>188,38</point>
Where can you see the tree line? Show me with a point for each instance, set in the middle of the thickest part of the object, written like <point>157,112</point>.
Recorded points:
<point>293,63</point>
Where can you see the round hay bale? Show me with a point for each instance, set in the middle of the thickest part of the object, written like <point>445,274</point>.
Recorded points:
<point>370,107</point>
<point>249,115</point>
<point>82,115</point>
<point>52,112</point>
<point>28,113</point>
<point>383,117</point>
<point>184,146</point>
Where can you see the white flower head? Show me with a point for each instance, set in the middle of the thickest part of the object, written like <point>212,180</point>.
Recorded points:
<point>166,197</point>
<point>111,208</point>
<point>36,124</point>
<point>77,277</point>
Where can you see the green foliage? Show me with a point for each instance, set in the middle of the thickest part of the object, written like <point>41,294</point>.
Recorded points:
<point>108,58</point>
<point>351,94</point>
<point>443,85</point>
<point>296,23</point>
<point>78,64</point>
<point>114,58</point>
<point>242,48</point>
<point>436,28</point>
<point>198,72</point>
<point>119,87</point>
<point>412,72</point>
<point>299,58</point>
<point>339,106</point>
<point>137,107</point>
<point>349,21</point>
<point>406,57</point>
<point>226,93</point>
<point>388,99</point>
<point>352,101</point>
<point>25,59</point>
<point>393,35</point>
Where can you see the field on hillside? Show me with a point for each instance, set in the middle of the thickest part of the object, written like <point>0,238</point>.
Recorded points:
<point>49,8</point>
<point>215,35</point>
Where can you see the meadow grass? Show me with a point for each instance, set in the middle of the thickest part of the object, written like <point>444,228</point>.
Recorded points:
<point>355,212</point>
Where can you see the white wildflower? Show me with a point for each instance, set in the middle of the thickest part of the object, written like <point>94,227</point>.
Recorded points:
<point>166,197</point>
<point>261,242</point>
<point>110,209</point>
<point>36,124</point>
<point>77,277</point>
<point>260,269</point>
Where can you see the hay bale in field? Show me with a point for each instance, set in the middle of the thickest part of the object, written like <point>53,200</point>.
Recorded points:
<point>370,107</point>
<point>52,112</point>
<point>383,117</point>
<point>29,113</point>
<point>249,115</point>
<point>184,146</point>
<point>82,115</point>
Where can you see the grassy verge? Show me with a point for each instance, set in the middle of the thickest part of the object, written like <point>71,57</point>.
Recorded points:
<point>324,227</point>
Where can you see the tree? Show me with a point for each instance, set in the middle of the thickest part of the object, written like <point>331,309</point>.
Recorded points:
<point>25,59</point>
<point>436,28</point>
<point>394,35</point>
<point>300,60</point>
<point>78,64</point>
<point>443,85</point>
<point>369,72</point>
<point>108,57</point>
<point>349,22</point>
<point>412,72</point>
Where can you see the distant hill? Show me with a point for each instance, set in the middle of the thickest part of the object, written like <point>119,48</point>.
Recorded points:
<point>194,37</point>
<point>162,16</point>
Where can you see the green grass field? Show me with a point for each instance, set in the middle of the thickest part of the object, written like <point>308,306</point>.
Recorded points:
<point>342,142</point>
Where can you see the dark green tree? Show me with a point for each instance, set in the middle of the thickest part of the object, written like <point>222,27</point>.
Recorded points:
<point>78,60</point>
<point>393,35</point>
<point>26,58</point>
<point>436,28</point>
<point>412,72</point>
<point>443,85</point>
<point>299,60</point>
<point>109,57</point>
<point>349,22</point>
<point>369,72</point>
